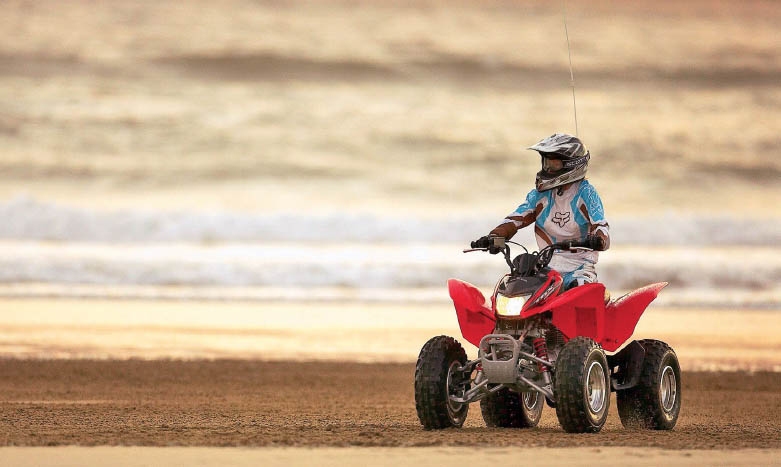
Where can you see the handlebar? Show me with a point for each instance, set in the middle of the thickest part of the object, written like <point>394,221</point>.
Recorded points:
<point>569,245</point>
<point>544,256</point>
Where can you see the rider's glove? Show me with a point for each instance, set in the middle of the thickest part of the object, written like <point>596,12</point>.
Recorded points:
<point>487,242</point>
<point>595,242</point>
<point>482,242</point>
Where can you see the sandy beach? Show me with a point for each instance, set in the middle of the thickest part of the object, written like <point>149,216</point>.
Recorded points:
<point>326,389</point>
<point>319,404</point>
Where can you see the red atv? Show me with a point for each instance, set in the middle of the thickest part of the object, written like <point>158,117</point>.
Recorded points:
<point>537,344</point>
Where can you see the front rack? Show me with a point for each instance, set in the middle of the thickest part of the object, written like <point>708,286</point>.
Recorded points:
<point>500,364</point>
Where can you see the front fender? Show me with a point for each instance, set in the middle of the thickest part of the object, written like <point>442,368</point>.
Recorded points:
<point>475,316</point>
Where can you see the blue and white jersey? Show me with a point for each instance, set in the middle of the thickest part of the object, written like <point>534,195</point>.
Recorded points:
<point>571,215</point>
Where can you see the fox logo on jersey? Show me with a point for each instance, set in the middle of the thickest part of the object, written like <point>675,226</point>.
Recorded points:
<point>561,218</point>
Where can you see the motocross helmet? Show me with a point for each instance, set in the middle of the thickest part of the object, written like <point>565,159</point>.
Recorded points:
<point>573,156</point>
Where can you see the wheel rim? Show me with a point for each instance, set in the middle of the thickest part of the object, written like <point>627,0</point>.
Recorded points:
<point>595,387</point>
<point>451,404</point>
<point>530,400</point>
<point>669,388</point>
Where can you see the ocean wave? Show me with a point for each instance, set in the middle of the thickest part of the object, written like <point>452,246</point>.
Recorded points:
<point>363,267</point>
<point>449,68</point>
<point>25,218</point>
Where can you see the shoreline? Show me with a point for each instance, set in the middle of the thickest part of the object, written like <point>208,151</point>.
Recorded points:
<point>675,298</point>
<point>704,339</point>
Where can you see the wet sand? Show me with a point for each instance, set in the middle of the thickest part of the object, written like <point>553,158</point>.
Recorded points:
<point>344,457</point>
<point>704,339</point>
<point>328,404</point>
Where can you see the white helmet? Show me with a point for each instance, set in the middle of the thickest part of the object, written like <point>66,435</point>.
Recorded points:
<point>572,154</point>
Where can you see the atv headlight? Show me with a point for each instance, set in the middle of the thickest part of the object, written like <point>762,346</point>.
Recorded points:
<point>509,306</point>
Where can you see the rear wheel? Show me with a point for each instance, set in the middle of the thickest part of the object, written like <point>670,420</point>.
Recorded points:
<point>437,377</point>
<point>655,402</point>
<point>582,386</point>
<point>507,409</point>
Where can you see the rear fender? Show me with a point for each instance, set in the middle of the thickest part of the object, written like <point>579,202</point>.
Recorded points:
<point>475,316</point>
<point>622,314</point>
<point>582,312</point>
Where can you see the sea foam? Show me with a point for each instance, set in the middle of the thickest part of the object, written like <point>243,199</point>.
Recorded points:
<point>25,218</point>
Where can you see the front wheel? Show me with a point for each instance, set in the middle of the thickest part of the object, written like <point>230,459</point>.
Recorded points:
<point>509,409</point>
<point>655,402</point>
<point>437,377</point>
<point>582,386</point>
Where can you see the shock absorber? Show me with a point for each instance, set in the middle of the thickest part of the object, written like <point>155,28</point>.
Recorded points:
<point>541,351</point>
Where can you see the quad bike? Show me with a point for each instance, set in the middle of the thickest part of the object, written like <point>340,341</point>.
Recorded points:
<point>538,344</point>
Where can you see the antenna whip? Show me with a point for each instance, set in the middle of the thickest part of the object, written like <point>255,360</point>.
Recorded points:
<point>571,74</point>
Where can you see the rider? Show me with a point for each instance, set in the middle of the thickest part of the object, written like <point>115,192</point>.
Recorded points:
<point>564,206</point>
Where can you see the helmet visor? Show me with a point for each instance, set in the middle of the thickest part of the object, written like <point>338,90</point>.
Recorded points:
<point>551,166</point>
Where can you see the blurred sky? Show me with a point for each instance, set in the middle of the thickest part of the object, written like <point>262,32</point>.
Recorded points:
<point>416,106</point>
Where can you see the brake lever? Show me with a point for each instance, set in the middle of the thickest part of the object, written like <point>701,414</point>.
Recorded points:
<point>475,249</point>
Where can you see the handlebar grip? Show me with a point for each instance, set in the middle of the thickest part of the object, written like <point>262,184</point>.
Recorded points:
<point>568,245</point>
<point>592,241</point>
<point>491,243</point>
